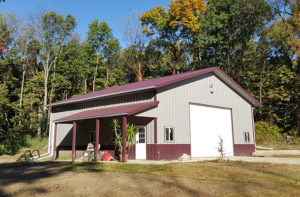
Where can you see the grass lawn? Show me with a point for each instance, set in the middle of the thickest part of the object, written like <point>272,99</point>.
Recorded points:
<point>181,179</point>
<point>282,146</point>
<point>36,143</point>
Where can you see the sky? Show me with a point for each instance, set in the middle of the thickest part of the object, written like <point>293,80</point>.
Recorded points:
<point>85,11</point>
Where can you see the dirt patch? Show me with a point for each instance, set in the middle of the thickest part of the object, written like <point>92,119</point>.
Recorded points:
<point>48,179</point>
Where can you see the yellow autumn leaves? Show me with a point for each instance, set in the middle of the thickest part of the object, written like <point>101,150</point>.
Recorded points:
<point>187,13</point>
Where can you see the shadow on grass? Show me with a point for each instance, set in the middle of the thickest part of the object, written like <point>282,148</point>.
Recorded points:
<point>11,173</point>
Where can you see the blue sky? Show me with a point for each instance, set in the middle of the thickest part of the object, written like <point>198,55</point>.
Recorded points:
<point>85,11</point>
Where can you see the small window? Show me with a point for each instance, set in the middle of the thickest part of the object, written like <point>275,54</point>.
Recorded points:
<point>142,136</point>
<point>169,134</point>
<point>246,136</point>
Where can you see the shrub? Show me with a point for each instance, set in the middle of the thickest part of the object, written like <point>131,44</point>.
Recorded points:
<point>13,146</point>
<point>267,133</point>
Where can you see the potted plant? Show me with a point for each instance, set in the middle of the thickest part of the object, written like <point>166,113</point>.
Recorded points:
<point>118,140</point>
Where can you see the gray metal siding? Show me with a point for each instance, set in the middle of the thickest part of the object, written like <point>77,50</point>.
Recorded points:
<point>64,137</point>
<point>150,132</point>
<point>173,108</point>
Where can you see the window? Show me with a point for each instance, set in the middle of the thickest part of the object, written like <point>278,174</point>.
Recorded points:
<point>142,136</point>
<point>169,134</point>
<point>246,136</point>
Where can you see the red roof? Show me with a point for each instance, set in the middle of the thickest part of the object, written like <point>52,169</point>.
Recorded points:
<point>157,83</point>
<point>110,111</point>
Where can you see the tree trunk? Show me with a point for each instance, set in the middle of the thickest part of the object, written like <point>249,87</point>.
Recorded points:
<point>52,86</point>
<point>260,91</point>
<point>22,87</point>
<point>44,126</point>
<point>107,77</point>
<point>94,80</point>
<point>140,76</point>
<point>85,86</point>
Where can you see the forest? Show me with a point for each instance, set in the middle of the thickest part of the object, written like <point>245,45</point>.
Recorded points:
<point>43,59</point>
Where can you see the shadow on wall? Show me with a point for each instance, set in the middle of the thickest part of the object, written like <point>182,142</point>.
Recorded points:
<point>67,140</point>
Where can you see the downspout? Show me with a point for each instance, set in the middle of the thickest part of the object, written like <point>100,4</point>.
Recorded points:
<point>50,151</point>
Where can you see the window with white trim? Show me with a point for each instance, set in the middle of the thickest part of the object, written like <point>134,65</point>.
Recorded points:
<point>246,136</point>
<point>169,134</point>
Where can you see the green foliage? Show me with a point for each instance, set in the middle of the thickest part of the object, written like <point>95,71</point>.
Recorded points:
<point>99,35</point>
<point>14,145</point>
<point>36,143</point>
<point>256,42</point>
<point>267,133</point>
<point>130,135</point>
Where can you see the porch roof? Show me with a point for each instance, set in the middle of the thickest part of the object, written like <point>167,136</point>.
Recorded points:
<point>109,112</point>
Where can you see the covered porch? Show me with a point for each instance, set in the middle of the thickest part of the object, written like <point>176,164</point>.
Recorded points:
<point>99,122</point>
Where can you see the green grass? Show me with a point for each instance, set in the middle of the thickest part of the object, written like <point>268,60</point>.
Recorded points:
<point>64,158</point>
<point>36,143</point>
<point>282,146</point>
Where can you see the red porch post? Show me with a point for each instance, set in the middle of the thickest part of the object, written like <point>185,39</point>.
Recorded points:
<point>74,142</point>
<point>54,143</point>
<point>124,139</point>
<point>97,140</point>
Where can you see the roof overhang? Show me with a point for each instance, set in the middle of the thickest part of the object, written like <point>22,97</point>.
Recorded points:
<point>154,84</point>
<point>102,96</point>
<point>109,112</point>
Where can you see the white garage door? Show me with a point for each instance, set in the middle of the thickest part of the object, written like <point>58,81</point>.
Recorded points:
<point>207,124</point>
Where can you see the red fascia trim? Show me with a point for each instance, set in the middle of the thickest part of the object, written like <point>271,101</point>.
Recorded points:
<point>74,142</point>
<point>97,139</point>
<point>142,108</point>
<point>236,84</point>
<point>124,131</point>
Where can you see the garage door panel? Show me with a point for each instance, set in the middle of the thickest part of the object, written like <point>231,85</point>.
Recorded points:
<point>207,125</point>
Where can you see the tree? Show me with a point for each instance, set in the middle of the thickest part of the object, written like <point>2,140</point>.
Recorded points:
<point>101,40</point>
<point>228,27</point>
<point>71,70</point>
<point>25,37</point>
<point>53,30</point>
<point>137,39</point>
<point>157,23</point>
<point>287,11</point>
<point>189,16</point>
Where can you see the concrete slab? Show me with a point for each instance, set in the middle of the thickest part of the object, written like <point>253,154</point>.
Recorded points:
<point>294,161</point>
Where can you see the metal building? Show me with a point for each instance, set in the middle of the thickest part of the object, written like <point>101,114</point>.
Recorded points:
<point>184,113</point>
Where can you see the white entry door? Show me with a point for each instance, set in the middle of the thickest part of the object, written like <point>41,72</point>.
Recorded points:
<point>140,143</point>
<point>207,125</point>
